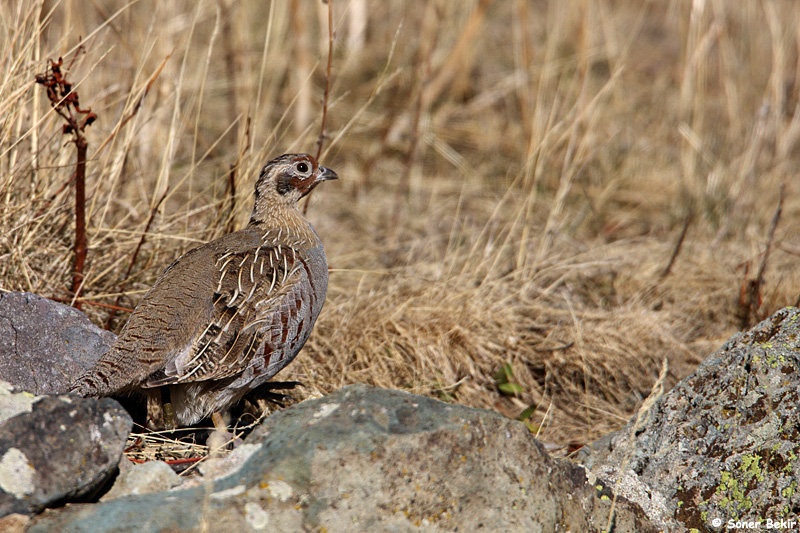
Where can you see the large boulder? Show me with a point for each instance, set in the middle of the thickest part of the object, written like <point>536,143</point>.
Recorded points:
<point>366,459</point>
<point>44,345</point>
<point>722,447</point>
<point>57,448</point>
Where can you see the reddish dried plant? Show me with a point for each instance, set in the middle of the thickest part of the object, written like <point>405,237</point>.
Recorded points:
<point>64,100</point>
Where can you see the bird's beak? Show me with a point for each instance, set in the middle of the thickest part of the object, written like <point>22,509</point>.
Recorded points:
<point>326,174</point>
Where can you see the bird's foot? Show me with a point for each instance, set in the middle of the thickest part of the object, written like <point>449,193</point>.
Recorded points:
<point>265,392</point>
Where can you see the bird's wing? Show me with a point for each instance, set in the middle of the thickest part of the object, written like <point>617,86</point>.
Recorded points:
<point>258,296</point>
<point>158,330</point>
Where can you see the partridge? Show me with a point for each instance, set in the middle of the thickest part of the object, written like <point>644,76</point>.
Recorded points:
<point>226,316</point>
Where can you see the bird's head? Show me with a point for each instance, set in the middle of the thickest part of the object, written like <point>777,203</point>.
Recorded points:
<point>286,179</point>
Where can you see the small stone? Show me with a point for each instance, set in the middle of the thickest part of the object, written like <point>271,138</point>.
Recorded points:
<point>152,476</point>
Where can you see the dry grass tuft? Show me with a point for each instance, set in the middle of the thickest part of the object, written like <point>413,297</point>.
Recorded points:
<point>515,179</point>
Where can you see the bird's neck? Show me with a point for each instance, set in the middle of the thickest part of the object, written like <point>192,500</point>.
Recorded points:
<point>283,224</point>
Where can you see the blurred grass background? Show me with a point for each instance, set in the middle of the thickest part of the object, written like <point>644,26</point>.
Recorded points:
<point>515,176</point>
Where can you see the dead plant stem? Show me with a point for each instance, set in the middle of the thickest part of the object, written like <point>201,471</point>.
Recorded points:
<point>322,132</point>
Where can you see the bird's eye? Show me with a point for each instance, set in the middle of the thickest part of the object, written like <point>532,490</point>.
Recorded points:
<point>302,167</point>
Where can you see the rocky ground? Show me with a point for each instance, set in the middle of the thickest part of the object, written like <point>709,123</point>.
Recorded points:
<point>722,445</point>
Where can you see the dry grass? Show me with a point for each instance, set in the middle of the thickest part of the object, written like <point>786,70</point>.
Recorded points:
<point>515,176</point>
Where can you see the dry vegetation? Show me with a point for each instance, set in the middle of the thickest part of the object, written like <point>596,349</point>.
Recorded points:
<point>515,177</point>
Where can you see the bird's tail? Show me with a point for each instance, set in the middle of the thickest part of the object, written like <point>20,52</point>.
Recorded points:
<point>105,378</point>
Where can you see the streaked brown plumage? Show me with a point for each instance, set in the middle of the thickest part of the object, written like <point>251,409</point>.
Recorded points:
<point>228,315</point>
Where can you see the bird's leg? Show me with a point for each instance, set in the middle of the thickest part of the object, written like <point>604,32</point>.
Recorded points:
<point>160,414</point>
<point>155,412</point>
<point>169,412</point>
<point>219,438</point>
<point>219,423</point>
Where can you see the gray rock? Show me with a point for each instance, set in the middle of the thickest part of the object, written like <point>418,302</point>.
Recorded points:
<point>14,401</point>
<point>367,459</point>
<point>44,345</point>
<point>14,523</point>
<point>227,464</point>
<point>65,447</point>
<point>724,443</point>
<point>152,476</point>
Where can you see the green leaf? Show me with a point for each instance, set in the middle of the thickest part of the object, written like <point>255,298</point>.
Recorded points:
<point>526,414</point>
<point>510,389</point>
<point>446,397</point>
<point>533,428</point>
<point>503,375</point>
